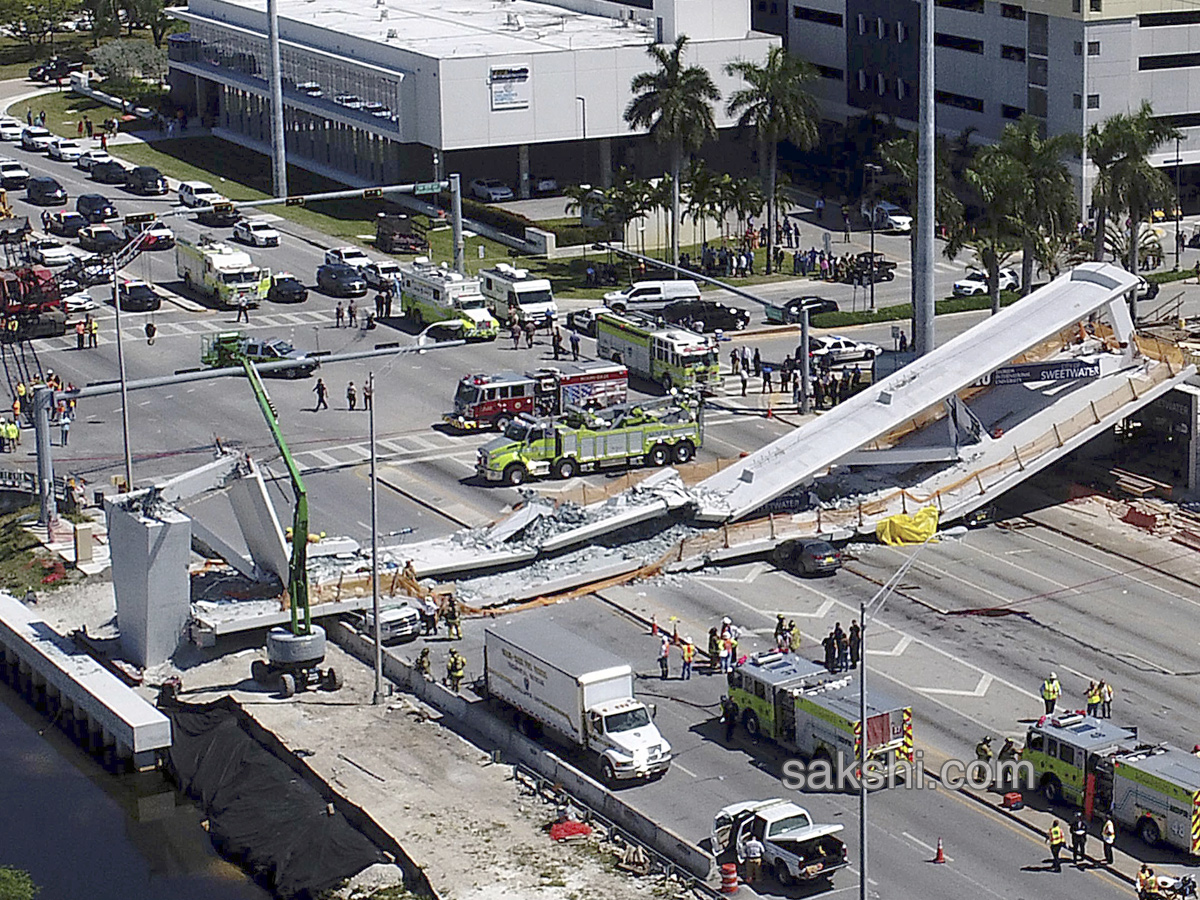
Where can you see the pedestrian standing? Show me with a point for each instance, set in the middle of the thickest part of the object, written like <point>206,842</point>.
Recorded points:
<point>735,360</point>
<point>766,380</point>
<point>753,850</point>
<point>243,305</point>
<point>726,653</point>
<point>1051,690</point>
<point>846,224</point>
<point>454,620</point>
<point>688,652</point>
<point>574,345</point>
<point>664,657</point>
<point>79,128</point>
<point>843,652</point>
<point>757,361</point>
<point>728,717</point>
<point>855,638</point>
<point>514,332</point>
<point>1079,834</point>
<point>1057,840</point>
<point>829,645</point>
<point>80,334</point>
<point>93,331</point>
<point>322,393</point>
<point>1106,699</point>
<point>745,381</point>
<point>1092,698</point>
<point>456,668</point>
<point>714,649</point>
<point>1108,836</point>
<point>530,333</point>
<point>351,396</point>
<point>367,394</point>
<point>352,314</point>
<point>794,636</point>
<point>64,426</point>
<point>87,126</point>
<point>339,315</point>
<point>903,341</point>
<point>379,305</point>
<point>556,342</point>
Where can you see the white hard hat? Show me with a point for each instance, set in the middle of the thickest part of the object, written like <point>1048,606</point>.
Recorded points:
<point>687,640</point>
<point>726,621</point>
<point>1054,676</point>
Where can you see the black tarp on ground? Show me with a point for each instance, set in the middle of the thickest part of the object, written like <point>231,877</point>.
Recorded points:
<point>262,814</point>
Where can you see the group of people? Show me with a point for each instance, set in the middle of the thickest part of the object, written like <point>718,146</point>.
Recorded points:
<point>1098,696</point>
<point>787,635</point>
<point>827,387</point>
<point>843,649</point>
<point>1056,837</point>
<point>722,646</point>
<point>687,653</point>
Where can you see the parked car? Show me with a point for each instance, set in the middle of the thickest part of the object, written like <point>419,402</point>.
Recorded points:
<point>286,288</point>
<point>584,320</point>
<point>36,139</point>
<point>110,172</point>
<point>144,180</point>
<point>888,216</point>
<point>43,190</point>
<point>64,223</point>
<point>543,184</point>
<point>1147,290</point>
<point>100,239</point>
<point>378,110</point>
<point>340,280</point>
<point>54,68</point>
<point>347,256</point>
<point>64,149</point>
<point>10,129</point>
<point>351,101</point>
<point>49,252</point>
<point>13,175</point>
<point>96,208</point>
<point>868,268</point>
<point>137,296</point>
<point>159,236</point>
<point>788,312</point>
<point>805,556</point>
<point>705,315</point>
<point>310,88</point>
<point>975,282</point>
<point>380,275</point>
<point>256,232</point>
<point>832,350</point>
<point>89,158</point>
<point>490,190</point>
<point>198,193</point>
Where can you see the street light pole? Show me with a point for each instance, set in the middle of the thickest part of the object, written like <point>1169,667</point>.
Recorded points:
<point>377,698</point>
<point>872,171</point>
<point>116,297</point>
<point>805,371</point>
<point>1178,210</point>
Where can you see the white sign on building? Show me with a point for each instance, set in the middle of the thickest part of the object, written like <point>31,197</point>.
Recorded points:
<point>510,87</point>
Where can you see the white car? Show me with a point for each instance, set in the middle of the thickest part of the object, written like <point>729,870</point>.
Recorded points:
<point>12,174</point>
<point>79,302</point>
<point>198,193</point>
<point>10,130</point>
<point>976,283</point>
<point>888,216</point>
<point>256,232</point>
<point>49,252</point>
<point>347,256</point>
<point>65,150</point>
<point>89,158</point>
<point>833,350</point>
<point>36,139</point>
<point>490,190</point>
<point>381,275</point>
<point>543,184</point>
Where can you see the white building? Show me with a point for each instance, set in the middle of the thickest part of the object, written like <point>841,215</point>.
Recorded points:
<point>390,90</point>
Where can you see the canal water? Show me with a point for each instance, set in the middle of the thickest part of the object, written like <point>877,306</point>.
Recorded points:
<point>82,832</point>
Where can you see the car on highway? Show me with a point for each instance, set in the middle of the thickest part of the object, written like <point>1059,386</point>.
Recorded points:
<point>347,256</point>
<point>584,320</point>
<point>256,232</point>
<point>10,129</point>
<point>380,275</point>
<point>64,149</point>
<point>198,193</point>
<point>704,315</point>
<point>43,190</point>
<point>100,239</point>
<point>490,190</point>
<point>89,158</point>
<point>49,252</point>
<point>63,223</point>
<point>833,350</point>
<point>230,347</point>
<point>158,235</point>
<point>137,296</point>
<point>36,138</point>
<point>144,180</point>
<point>286,288</point>
<point>807,556</point>
<point>795,849</point>
<point>79,302</point>
<point>339,280</point>
<point>976,282</point>
<point>96,208</point>
<point>110,172</point>
<point>788,312</point>
<point>13,175</point>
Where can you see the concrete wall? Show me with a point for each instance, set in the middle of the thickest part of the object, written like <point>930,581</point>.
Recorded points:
<point>518,749</point>
<point>150,579</point>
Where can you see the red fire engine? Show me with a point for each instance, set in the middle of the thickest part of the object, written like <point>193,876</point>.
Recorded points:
<point>31,303</point>
<point>492,401</point>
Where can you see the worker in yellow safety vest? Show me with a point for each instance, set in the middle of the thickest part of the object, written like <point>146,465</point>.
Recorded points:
<point>1057,839</point>
<point>1051,691</point>
<point>689,653</point>
<point>1093,699</point>
<point>456,668</point>
<point>1147,884</point>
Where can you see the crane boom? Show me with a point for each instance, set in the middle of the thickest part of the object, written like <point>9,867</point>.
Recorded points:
<point>297,586</point>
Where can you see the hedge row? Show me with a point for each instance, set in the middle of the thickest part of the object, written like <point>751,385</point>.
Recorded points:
<point>904,311</point>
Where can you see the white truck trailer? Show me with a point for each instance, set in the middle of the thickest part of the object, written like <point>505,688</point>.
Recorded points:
<point>580,693</point>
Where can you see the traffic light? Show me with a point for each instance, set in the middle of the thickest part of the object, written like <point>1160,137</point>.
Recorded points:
<point>294,201</point>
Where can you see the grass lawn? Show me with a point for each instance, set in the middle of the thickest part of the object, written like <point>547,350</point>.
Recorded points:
<point>23,563</point>
<point>64,111</point>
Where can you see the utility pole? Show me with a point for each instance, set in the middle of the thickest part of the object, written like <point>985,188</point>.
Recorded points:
<point>43,399</point>
<point>805,372</point>
<point>872,171</point>
<point>1178,210</point>
<point>923,309</point>
<point>116,298</point>
<point>460,257</point>
<point>377,697</point>
<point>279,135</point>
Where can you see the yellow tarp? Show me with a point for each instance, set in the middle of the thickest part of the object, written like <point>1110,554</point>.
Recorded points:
<point>904,529</point>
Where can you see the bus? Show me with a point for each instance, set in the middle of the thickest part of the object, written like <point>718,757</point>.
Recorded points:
<point>669,355</point>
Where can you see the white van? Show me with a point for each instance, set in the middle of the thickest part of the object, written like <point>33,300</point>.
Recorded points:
<point>653,292</point>
<point>198,193</point>
<point>398,622</point>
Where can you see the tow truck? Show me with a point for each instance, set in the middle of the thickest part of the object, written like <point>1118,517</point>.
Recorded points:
<point>1151,789</point>
<point>229,348</point>
<point>653,432</point>
<point>492,401</point>
<point>803,707</point>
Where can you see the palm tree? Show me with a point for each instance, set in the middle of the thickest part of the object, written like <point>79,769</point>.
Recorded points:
<point>1104,142</point>
<point>675,103</point>
<point>1138,185</point>
<point>702,196</point>
<point>1046,190</point>
<point>778,105</point>
<point>746,198</point>
<point>997,179</point>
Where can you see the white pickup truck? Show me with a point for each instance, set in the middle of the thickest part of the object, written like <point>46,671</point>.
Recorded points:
<point>796,851</point>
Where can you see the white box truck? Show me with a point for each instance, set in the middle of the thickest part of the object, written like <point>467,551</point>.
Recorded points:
<point>511,293</point>
<point>577,691</point>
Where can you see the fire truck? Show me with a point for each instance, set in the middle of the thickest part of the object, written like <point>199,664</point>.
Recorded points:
<point>492,401</point>
<point>32,304</point>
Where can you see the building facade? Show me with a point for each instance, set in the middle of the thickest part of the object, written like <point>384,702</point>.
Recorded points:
<point>393,90</point>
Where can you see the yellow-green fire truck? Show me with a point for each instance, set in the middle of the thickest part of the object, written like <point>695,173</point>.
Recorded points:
<point>803,707</point>
<point>653,432</point>
<point>669,355</point>
<point>1153,790</point>
<point>430,293</point>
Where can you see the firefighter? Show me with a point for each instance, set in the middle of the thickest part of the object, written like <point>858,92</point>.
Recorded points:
<point>1057,840</point>
<point>983,750</point>
<point>423,665</point>
<point>456,668</point>
<point>453,619</point>
<point>1051,690</point>
<point>151,333</point>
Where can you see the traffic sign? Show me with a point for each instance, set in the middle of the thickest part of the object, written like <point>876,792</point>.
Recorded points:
<point>427,187</point>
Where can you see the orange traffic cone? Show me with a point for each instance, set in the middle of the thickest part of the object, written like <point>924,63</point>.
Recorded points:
<point>941,854</point>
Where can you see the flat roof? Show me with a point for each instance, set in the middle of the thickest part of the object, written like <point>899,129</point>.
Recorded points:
<point>839,692</point>
<point>555,646</point>
<point>1169,763</point>
<point>466,28</point>
<point>1088,732</point>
